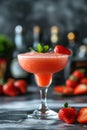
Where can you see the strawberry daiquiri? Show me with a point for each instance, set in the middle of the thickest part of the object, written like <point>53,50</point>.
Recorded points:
<point>43,65</point>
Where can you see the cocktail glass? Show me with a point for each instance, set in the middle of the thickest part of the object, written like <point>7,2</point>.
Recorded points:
<point>43,65</point>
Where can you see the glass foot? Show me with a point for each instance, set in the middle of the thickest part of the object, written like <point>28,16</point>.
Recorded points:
<point>48,114</point>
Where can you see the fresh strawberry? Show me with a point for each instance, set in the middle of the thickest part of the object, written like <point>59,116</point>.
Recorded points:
<point>21,85</point>
<point>68,91</point>
<point>11,80</point>
<point>71,82</point>
<point>83,81</point>
<point>62,50</point>
<point>80,89</point>
<point>59,89</point>
<point>82,115</point>
<point>63,90</point>
<point>9,89</point>
<point>68,114</point>
<point>80,73</point>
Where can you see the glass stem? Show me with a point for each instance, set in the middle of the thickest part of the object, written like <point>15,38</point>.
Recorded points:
<point>43,94</point>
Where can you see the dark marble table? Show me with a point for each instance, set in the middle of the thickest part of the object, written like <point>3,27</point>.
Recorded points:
<point>13,111</point>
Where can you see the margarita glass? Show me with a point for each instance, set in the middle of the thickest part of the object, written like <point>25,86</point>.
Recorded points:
<point>43,65</point>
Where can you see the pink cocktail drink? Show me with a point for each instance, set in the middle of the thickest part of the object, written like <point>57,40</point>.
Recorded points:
<point>43,65</point>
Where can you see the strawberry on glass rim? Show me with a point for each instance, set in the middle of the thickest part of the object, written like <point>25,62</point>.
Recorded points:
<point>62,50</point>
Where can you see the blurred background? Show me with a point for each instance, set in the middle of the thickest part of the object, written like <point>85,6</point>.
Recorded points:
<point>24,23</point>
<point>67,15</point>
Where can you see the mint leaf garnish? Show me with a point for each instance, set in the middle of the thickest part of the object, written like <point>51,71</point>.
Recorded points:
<point>40,48</point>
<point>45,48</point>
<point>32,49</point>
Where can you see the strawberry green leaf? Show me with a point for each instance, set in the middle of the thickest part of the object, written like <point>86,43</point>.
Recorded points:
<point>82,70</point>
<point>72,77</point>
<point>65,104</point>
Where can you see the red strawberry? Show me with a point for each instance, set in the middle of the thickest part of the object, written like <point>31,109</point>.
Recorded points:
<point>71,82</point>
<point>58,89</point>
<point>68,90</point>
<point>80,89</point>
<point>82,115</point>
<point>21,85</point>
<point>61,49</point>
<point>83,81</point>
<point>63,90</point>
<point>68,114</point>
<point>79,73</point>
<point>9,89</point>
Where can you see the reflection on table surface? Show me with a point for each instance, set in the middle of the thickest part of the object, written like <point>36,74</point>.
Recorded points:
<point>13,111</point>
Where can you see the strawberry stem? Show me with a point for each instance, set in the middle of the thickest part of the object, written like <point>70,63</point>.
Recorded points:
<point>73,78</point>
<point>65,104</point>
<point>82,70</point>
